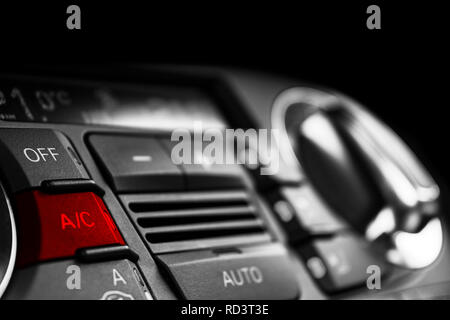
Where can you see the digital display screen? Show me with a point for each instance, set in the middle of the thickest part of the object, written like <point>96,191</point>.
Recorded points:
<point>112,104</point>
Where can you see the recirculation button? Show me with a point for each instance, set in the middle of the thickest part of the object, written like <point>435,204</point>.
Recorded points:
<point>74,280</point>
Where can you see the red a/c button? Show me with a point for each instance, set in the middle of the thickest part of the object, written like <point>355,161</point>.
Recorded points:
<point>55,226</point>
<point>82,219</point>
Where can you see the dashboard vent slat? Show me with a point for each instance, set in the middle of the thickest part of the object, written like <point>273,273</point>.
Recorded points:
<point>204,230</point>
<point>195,219</point>
<point>184,204</point>
<point>163,218</point>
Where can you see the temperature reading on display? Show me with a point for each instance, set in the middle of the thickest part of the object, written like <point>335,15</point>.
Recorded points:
<point>48,100</point>
<point>142,105</point>
<point>22,103</point>
<point>17,94</point>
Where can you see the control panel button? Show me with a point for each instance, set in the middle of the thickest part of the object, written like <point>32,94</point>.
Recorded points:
<point>314,215</point>
<point>343,262</point>
<point>268,167</point>
<point>72,280</point>
<point>136,163</point>
<point>304,214</point>
<point>212,175</point>
<point>56,225</point>
<point>31,156</point>
<point>263,273</point>
<point>203,172</point>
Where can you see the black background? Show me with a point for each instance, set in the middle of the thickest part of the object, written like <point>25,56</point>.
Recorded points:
<point>399,72</point>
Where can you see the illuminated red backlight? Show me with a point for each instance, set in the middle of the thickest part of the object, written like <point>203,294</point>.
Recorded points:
<point>56,225</point>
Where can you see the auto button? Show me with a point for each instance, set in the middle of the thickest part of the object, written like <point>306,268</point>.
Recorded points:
<point>257,273</point>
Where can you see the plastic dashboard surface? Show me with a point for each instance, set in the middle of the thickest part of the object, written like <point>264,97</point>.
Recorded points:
<point>85,164</point>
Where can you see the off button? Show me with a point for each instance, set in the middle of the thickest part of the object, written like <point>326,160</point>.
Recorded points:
<point>31,156</point>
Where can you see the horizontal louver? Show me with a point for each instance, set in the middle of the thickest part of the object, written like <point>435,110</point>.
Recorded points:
<point>180,221</point>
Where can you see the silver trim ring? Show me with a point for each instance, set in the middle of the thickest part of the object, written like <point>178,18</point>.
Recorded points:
<point>304,95</point>
<point>12,258</point>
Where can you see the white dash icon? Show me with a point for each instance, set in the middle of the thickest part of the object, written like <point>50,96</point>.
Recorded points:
<point>142,158</point>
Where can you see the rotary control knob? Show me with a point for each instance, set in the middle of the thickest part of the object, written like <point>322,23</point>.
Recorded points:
<point>364,171</point>
<point>8,241</point>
